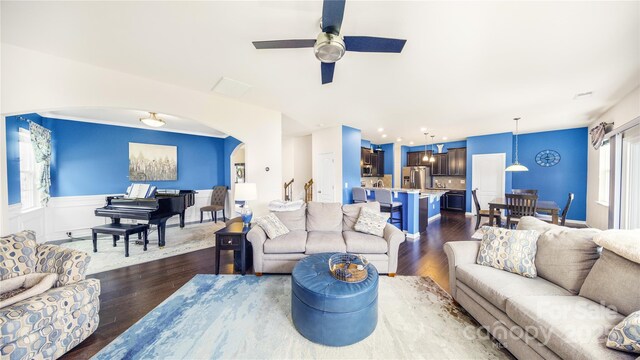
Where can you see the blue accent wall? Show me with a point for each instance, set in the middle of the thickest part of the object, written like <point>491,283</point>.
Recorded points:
<point>488,144</point>
<point>556,182</point>
<point>351,142</point>
<point>93,159</point>
<point>365,143</point>
<point>445,148</point>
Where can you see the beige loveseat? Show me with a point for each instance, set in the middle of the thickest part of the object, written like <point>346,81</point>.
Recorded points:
<point>319,228</point>
<point>546,317</point>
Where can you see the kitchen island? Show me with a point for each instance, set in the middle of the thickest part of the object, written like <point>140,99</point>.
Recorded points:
<point>418,207</point>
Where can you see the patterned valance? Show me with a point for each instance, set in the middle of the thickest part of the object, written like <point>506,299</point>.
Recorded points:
<point>41,143</point>
<point>597,134</point>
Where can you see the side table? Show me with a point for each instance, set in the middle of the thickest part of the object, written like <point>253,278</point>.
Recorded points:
<point>234,237</point>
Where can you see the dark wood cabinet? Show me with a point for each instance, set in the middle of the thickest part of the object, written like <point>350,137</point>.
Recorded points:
<point>455,200</point>
<point>365,156</point>
<point>414,158</point>
<point>457,161</point>
<point>373,160</point>
<point>440,166</point>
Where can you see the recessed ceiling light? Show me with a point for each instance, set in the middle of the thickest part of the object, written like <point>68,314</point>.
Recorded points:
<point>583,95</point>
<point>380,129</point>
<point>444,138</point>
<point>410,142</point>
<point>384,135</point>
<point>399,139</point>
<point>423,129</point>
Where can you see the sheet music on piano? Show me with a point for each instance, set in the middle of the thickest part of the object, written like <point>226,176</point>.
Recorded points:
<point>140,191</point>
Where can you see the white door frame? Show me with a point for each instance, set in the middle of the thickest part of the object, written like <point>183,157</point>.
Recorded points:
<point>475,173</point>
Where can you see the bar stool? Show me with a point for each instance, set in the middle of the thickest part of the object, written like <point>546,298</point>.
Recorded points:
<point>383,196</point>
<point>359,195</point>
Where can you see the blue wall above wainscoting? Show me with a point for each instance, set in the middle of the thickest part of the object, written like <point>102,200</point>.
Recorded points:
<point>556,182</point>
<point>351,143</point>
<point>93,159</point>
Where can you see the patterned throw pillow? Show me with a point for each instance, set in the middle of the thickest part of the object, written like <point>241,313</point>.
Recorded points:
<point>17,254</point>
<point>272,225</point>
<point>626,335</point>
<point>510,250</point>
<point>370,222</point>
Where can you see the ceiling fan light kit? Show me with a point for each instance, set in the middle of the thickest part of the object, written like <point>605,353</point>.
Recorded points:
<point>330,46</point>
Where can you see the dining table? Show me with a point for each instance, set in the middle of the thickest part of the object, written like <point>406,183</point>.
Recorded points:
<point>543,206</point>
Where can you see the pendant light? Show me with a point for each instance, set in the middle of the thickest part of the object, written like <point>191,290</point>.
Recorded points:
<point>152,120</point>
<point>425,158</point>
<point>433,157</point>
<point>516,166</point>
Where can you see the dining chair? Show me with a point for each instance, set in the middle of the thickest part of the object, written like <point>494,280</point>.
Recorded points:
<point>359,195</point>
<point>218,199</point>
<point>384,197</point>
<point>484,213</point>
<point>519,205</point>
<point>524,191</point>
<point>565,211</point>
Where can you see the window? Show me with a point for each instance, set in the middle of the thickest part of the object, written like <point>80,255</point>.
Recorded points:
<point>604,173</point>
<point>29,196</point>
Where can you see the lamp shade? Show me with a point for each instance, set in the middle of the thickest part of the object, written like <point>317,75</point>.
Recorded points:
<point>516,167</point>
<point>245,191</point>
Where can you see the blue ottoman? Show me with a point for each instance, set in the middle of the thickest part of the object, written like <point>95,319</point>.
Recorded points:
<point>329,311</point>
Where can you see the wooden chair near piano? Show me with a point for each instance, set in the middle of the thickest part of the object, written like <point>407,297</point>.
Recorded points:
<point>217,203</point>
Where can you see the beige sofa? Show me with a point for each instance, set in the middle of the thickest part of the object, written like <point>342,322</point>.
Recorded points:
<point>323,227</point>
<point>544,317</point>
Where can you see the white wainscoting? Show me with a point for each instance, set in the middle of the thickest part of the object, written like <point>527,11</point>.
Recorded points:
<point>75,214</point>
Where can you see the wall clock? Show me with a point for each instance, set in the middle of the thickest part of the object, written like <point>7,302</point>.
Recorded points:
<point>547,158</point>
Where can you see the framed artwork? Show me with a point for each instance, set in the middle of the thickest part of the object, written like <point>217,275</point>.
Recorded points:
<point>148,162</point>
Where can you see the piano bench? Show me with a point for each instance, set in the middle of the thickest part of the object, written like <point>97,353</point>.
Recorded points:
<point>117,230</point>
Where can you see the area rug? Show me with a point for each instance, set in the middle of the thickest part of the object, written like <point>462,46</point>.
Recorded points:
<point>249,317</point>
<point>178,241</point>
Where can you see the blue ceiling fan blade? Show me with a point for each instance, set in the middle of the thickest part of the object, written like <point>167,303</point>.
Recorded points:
<point>332,15</point>
<point>327,72</point>
<point>373,44</point>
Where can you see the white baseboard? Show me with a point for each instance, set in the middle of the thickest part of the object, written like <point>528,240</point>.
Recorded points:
<point>434,217</point>
<point>412,237</point>
<point>76,214</point>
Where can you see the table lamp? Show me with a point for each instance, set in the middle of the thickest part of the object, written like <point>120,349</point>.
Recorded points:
<point>246,192</point>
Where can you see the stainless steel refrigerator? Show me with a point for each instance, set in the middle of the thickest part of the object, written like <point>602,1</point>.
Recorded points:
<point>416,177</point>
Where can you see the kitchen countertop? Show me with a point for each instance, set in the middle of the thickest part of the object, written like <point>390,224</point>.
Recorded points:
<point>423,193</point>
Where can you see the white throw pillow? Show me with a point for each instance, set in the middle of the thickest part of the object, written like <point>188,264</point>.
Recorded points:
<point>371,222</point>
<point>509,250</point>
<point>272,225</point>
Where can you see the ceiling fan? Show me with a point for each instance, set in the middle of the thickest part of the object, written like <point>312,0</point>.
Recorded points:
<point>330,45</point>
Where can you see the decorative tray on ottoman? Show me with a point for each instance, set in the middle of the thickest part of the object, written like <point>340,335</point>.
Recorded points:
<point>348,267</point>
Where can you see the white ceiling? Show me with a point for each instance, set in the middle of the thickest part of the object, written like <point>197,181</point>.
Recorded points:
<point>467,68</point>
<point>131,118</point>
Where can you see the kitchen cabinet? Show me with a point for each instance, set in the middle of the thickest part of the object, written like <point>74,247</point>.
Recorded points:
<point>365,156</point>
<point>457,162</point>
<point>455,200</point>
<point>373,161</point>
<point>440,166</point>
<point>414,158</point>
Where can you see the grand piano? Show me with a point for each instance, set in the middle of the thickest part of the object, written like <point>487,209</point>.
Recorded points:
<point>156,210</point>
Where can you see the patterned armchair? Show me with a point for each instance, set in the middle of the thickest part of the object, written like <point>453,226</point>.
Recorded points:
<point>50,324</point>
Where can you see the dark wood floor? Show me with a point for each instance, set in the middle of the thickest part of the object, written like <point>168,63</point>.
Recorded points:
<point>130,293</point>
